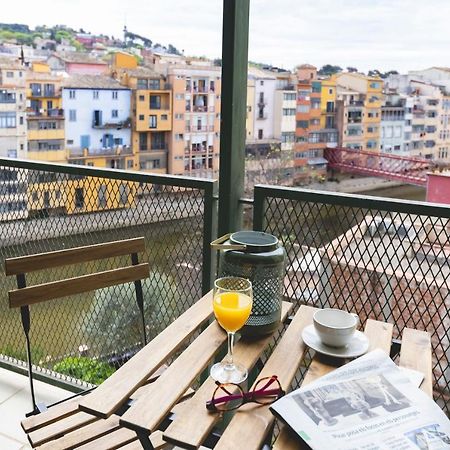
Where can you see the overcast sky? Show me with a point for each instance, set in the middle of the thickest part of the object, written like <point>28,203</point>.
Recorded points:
<point>367,34</point>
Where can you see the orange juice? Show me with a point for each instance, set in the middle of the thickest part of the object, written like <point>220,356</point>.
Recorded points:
<point>232,310</point>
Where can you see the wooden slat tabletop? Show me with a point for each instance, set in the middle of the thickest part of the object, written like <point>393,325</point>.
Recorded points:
<point>193,422</point>
<point>415,353</point>
<point>251,423</point>
<point>116,390</point>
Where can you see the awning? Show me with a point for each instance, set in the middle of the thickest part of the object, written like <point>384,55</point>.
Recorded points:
<point>317,161</point>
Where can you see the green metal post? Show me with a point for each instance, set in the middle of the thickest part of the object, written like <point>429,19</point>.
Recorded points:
<point>233,113</point>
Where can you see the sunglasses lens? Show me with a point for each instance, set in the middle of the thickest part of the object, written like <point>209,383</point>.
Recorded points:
<point>267,390</point>
<point>228,397</point>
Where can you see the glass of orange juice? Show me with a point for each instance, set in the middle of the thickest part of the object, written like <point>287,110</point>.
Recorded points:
<point>232,304</point>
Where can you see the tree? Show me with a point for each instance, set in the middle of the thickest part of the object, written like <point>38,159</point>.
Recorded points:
<point>374,73</point>
<point>115,321</point>
<point>352,69</point>
<point>329,69</point>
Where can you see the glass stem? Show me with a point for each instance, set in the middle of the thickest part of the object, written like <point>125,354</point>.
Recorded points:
<point>230,349</point>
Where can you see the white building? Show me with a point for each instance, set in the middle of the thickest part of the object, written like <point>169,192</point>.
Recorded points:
<point>97,110</point>
<point>285,106</point>
<point>396,124</point>
<point>264,104</point>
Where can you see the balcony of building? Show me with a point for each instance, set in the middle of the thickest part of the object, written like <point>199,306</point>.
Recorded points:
<point>385,260</point>
<point>56,113</point>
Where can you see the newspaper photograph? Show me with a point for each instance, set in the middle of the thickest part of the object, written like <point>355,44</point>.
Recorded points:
<point>367,404</point>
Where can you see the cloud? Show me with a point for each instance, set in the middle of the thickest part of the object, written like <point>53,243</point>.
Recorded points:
<point>383,34</point>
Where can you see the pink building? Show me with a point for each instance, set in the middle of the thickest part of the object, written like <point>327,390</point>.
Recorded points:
<point>438,188</point>
<point>77,63</point>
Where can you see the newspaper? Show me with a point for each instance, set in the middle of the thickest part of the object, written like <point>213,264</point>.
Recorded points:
<point>367,404</point>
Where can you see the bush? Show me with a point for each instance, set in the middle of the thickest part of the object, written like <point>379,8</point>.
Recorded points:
<point>86,369</point>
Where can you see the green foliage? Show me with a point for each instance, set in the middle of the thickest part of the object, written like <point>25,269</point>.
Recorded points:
<point>329,69</point>
<point>116,324</point>
<point>86,369</point>
<point>37,354</point>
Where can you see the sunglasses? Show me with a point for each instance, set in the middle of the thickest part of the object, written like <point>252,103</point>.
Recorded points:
<point>229,396</point>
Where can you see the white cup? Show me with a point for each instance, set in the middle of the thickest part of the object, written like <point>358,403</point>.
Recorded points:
<point>334,326</point>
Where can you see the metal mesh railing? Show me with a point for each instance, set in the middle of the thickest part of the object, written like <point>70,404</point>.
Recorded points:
<point>46,207</point>
<point>383,259</point>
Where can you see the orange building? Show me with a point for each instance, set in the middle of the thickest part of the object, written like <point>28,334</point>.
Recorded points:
<point>151,106</point>
<point>308,158</point>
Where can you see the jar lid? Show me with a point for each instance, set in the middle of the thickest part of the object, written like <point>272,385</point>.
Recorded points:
<point>256,241</point>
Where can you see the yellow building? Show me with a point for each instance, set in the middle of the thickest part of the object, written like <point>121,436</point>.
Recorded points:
<point>87,194</point>
<point>328,103</point>
<point>45,115</point>
<point>151,105</point>
<point>360,98</point>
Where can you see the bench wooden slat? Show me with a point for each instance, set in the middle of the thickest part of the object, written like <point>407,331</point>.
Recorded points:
<point>113,440</point>
<point>41,261</point>
<point>251,424</point>
<point>415,353</point>
<point>60,428</point>
<point>71,286</point>
<point>116,390</point>
<point>379,335</point>
<point>53,414</point>
<point>193,422</point>
<point>151,408</point>
<point>83,435</point>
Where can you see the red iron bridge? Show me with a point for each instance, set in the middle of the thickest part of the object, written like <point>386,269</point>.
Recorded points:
<point>392,167</point>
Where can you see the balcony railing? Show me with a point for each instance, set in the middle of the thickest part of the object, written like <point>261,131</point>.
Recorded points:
<point>382,259</point>
<point>200,109</point>
<point>117,150</point>
<point>70,205</point>
<point>97,124</point>
<point>56,113</point>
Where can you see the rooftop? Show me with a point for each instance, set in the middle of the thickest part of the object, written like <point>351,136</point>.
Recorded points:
<point>92,82</point>
<point>142,72</point>
<point>79,57</point>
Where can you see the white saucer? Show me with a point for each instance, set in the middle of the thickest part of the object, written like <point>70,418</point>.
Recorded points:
<point>356,347</point>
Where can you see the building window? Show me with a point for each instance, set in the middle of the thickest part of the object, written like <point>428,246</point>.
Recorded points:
<point>21,146</point>
<point>71,94</point>
<point>302,124</point>
<point>124,192</point>
<point>303,108</point>
<point>179,96</point>
<point>95,95</point>
<point>69,141</point>
<point>261,83</point>
<point>9,74</point>
<point>12,153</point>
<point>155,102</point>
<point>7,97</point>
<point>154,83</point>
<point>130,164</point>
<point>179,116</point>
<point>142,83</point>
<point>315,104</point>
<point>152,121</point>
<point>330,107</point>
<point>114,113</point>
<point>179,137</point>
<point>375,85</point>
<point>102,196</point>
<point>79,197</point>
<point>143,141</point>
<point>141,117</point>
<point>115,95</point>
<point>72,115</point>
<point>260,134</point>
<point>142,98</point>
<point>289,96</point>
<point>21,120</point>
<point>163,116</point>
<point>288,111</point>
<point>7,120</point>
<point>287,137</point>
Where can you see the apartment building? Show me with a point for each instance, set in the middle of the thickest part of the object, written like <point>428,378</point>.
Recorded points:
<point>13,127</point>
<point>151,121</point>
<point>359,101</point>
<point>396,124</point>
<point>194,144</point>
<point>309,162</point>
<point>98,123</point>
<point>285,106</point>
<point>45,115</point>
<point>13,139</point>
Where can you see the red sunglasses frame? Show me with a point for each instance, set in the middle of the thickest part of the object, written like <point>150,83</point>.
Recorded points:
<point>247,397</point>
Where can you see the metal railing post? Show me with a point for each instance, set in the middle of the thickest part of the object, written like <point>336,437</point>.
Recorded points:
<point>233,112</point>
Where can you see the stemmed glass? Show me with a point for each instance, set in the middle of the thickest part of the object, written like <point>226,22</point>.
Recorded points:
<point>232,304</point>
